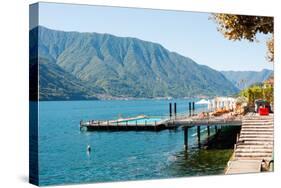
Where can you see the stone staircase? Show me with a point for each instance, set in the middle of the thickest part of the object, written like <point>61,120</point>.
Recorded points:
<point>256,138</point>
<point>254,146</point>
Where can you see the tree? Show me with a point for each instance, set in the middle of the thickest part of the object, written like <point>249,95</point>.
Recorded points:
<point>264,91</point>
<point>238,27</point>
<point>270,51</point>
<point>268,93</point>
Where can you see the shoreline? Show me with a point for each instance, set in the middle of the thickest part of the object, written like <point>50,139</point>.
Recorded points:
<point>128,99</point>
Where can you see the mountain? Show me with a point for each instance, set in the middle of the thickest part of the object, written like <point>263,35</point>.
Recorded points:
<point>87,65</point>
<point>57,84</point>
<point>242,79</point>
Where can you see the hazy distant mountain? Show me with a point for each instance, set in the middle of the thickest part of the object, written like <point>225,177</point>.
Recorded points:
<point>243,79</point>
<point>85,65</point>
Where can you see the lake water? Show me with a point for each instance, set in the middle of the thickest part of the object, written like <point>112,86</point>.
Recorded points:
<point>117,156</point>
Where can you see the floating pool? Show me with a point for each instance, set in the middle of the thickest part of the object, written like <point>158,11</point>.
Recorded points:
<point>148,120</point>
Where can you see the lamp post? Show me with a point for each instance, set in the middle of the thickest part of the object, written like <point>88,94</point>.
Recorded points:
<point>263,91</point>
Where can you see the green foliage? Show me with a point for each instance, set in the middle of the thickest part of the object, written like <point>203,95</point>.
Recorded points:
<point>264,91</point>
<point>237,27</point>
<point>268,93</point>
<point>270,49</point>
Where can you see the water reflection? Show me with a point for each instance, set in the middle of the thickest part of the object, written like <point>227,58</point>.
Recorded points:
<point>211,159</point>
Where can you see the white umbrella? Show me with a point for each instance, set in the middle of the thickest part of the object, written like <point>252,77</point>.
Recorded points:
<point>203,101</point>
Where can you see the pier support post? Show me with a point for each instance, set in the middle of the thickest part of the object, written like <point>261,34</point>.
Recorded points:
<point>193,108</point>
<point>175,109</point>
<point>81,125</point>
<point>208,130</point>
<point>186,138</point>
<point>216,129</point>
<point>170,110</point>
<point>237,138</point>
<point>198,136</point>
<point>189,108</point>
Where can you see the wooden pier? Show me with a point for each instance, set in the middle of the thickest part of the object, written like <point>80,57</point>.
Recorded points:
<point>132,124</point>
<point>128,127</point>
<point>254,148</point>
<point>127,124</point>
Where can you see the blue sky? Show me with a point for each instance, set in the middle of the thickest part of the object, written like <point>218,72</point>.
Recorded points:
<point>191,34</point>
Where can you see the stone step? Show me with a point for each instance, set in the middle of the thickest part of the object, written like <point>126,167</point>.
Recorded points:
<point>266,132</point>
<point>259,133</point>
<point>252,131</point>
<point>253,154</point>
<point>259,144</point>
<point>257,122</point>
<point>254,142</point>
<point>256,139</point>
<point>254,158</point>
<point>257,129</point>
<point>240,147</point>
<point>259,137</point>
<point>260,124</point>
<point>248,132</point>
<point>253,150</point>
<point>252,120</point>
<point>255,133</point>
<point>241,144</point>
<point>258,118</point>
<point>255,136</point>
<point>257,126</point>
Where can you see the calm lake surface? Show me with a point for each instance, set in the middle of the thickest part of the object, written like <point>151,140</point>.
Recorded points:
<point>117,156</point>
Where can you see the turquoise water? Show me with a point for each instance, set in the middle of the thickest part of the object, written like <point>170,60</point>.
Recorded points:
<point>117,156</point>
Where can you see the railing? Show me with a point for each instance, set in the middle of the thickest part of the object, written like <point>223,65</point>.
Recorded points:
<point>122,122</point>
